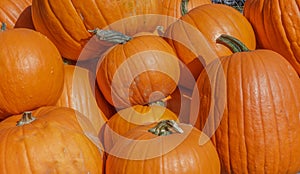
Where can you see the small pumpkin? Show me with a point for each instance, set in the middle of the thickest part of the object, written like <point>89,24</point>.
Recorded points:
<point>79,94</point>
<point>193,36</point>
<point>276,25</point>
<point>67,23</point>
<point>49,140</point>
<point>126,119</point>
<point>137,72</point>
<point>158,148</point>
<point>31,73</point>
<point>10,11</point>
<point>249,103</point>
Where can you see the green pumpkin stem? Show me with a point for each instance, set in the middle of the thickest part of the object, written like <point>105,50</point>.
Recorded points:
<point>232,43</point>
<point>183,7</point>
<point>27,118</point>
<point>111,36</point>
<point>165,127</point>
<point>3,26</point>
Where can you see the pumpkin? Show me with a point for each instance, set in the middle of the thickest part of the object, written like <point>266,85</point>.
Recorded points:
<point>31,73</point>
<point>137,72</point>
<point>178,8</point>
<point>126,119</point>
<point>49,140</point>
<point>193,36</point>
<point>157,148</point>
<point>10,11</point>
<point>79,94</point>
<point>249,103</point>
<point>67,23</point>
<point>276,25</point>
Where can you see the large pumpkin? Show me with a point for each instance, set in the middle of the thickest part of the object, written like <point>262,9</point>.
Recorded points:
<point>10,11</point>
<point>129,118</point>
<point>193,36</point>
<point>276,24</point>
<point>31,73</point>
<point>249,103</point>
<point>144,152</point>
<point>79,93</point>
<point>140,71</point>
<point>49,140</point>
<point>67,23</point>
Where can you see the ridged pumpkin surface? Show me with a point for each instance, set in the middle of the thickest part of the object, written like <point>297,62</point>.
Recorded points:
<point>67,23</point>
<point>276,24</point>
<point>10,11</point>
<point>79,94</point>
<point>31,73</point>
<point>253,104</point>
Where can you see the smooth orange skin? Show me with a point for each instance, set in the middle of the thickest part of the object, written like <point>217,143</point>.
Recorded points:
<point>53,143</point>
<point>257,104</point>
<point>78,93</point>
<point>144,65</point>
<point>67,23</point>
<point>10,11</point>
<point>31,73</point>
<point>129,118</point>
<point>177,153</point>
<point>276,24</point>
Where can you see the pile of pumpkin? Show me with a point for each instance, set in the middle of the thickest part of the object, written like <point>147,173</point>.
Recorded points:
<point>149,86</point>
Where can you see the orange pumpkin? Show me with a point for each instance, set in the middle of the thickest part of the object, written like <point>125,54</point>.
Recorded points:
<point>126,119</point>
<point>10,11</point>
<point>180,153</point>
<point>66,23</point>
<point>174,9</point>
<point>31,73</point>
<point>276,25</point>
<point>79,94</point>
<point>138,72</point>
<point>49,140</point>
<point>193,36</point>
<point>249,103</point>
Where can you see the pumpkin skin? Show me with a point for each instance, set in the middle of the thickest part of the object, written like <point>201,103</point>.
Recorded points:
<point>53,143</point>
<point>193,36</point>
<point>129,118</point>
<point>143,152</point>
<point>130,74</point>
<point>78,94</point>
<point>276,25</point>
<point>173,9</point>
<point>66,23</point>
<point>31,71</point>
<point>10,10</point>
<point>253,112</point>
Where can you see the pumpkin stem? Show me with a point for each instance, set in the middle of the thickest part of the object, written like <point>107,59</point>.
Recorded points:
<point>161,102</point>
<point>111,36</point>
<point>3,26</point>
<point>164,127</point>
<point>27,118</point>
<point>183,7</point>
<point>232,43</point>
